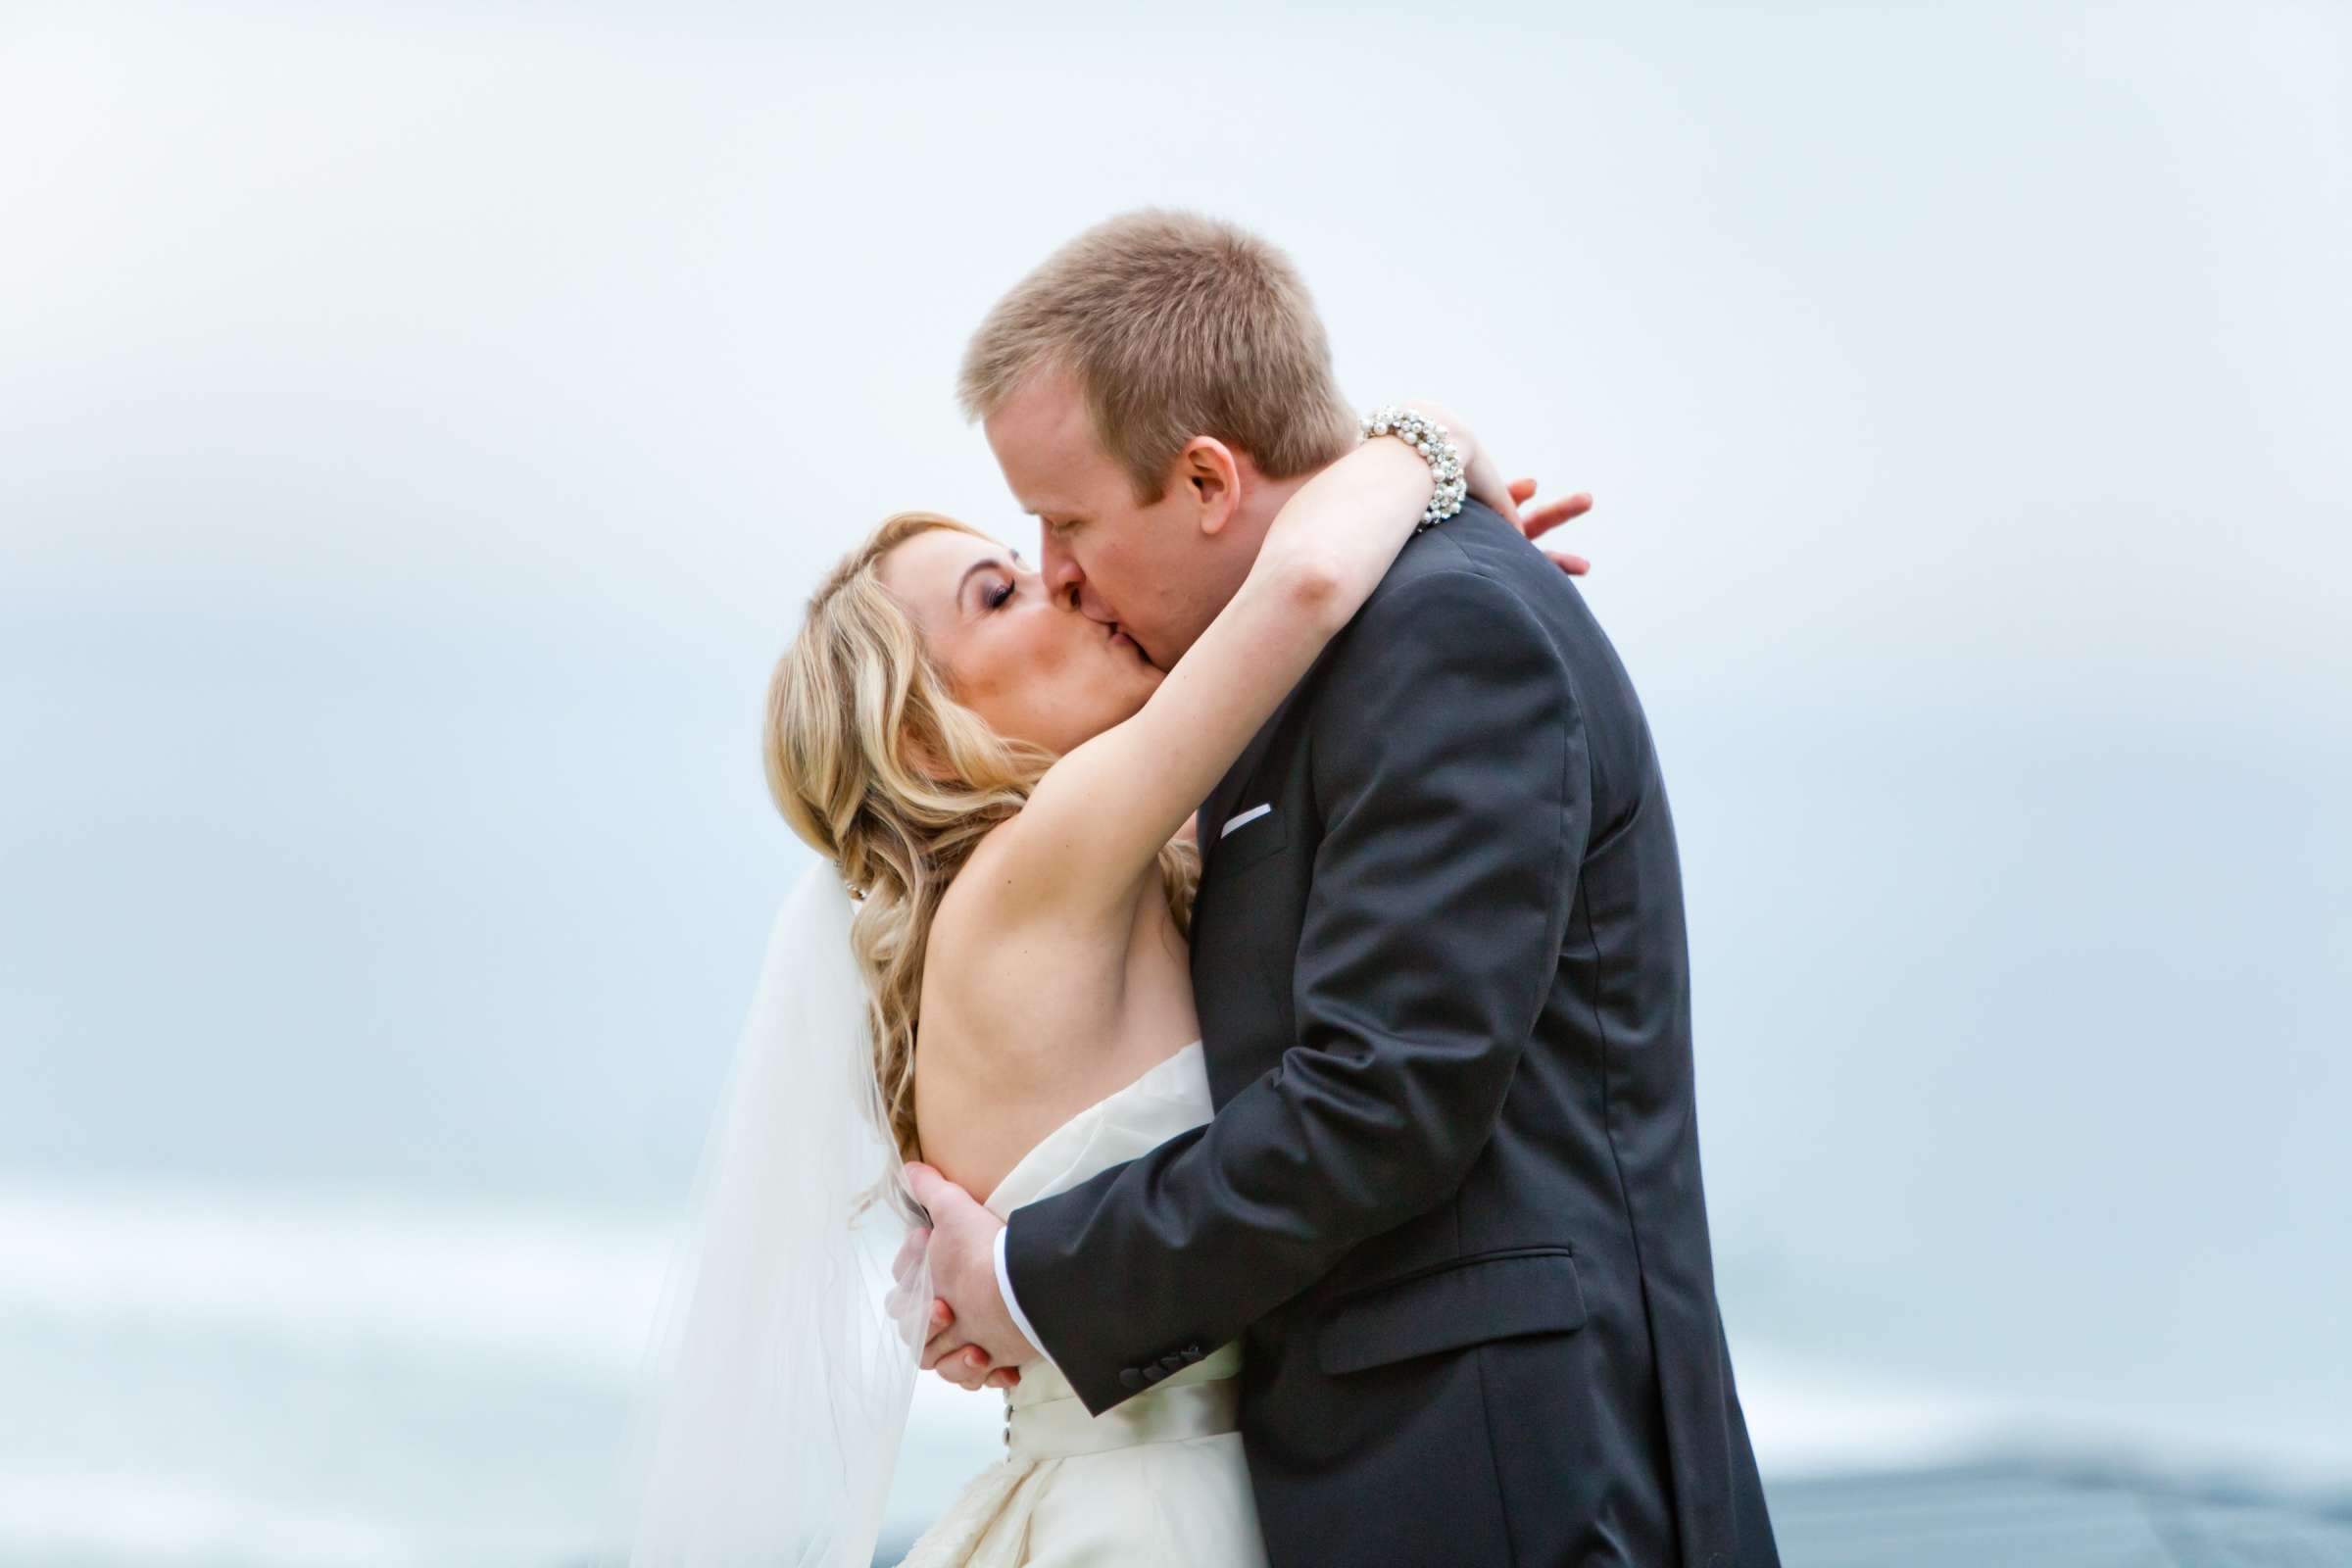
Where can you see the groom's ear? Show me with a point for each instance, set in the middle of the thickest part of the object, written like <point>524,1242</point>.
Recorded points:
<point>1207,468</point>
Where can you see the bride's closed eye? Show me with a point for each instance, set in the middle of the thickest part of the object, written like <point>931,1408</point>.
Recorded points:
<point>1000,595</point>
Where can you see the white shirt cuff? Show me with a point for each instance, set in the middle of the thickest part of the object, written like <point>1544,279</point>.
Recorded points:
<point>1012,1305</point>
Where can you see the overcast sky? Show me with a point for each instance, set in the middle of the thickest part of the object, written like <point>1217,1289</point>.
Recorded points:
<point>420,425</point>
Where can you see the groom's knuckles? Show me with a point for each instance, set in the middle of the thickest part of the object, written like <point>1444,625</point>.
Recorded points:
<point>925,1183</point>
<point>942,1200</point>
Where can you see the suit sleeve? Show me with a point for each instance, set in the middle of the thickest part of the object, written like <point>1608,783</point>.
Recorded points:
<point>1450,769</point>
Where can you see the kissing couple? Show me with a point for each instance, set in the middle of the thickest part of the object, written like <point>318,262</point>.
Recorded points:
<point>1243,1014</point>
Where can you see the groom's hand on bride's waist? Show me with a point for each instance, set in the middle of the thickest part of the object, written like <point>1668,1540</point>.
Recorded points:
<point>974,1342</point>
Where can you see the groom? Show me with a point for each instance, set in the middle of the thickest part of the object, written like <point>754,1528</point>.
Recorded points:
<point>1451,1198</point>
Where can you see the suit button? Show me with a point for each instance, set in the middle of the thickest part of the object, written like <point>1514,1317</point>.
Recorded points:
<point>1153,1374</point>
<point>1174,1362</point>
<point>1131,1378</point>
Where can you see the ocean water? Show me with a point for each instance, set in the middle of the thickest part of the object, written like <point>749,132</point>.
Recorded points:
<point>254,1379</point>
<point>243,1378</point>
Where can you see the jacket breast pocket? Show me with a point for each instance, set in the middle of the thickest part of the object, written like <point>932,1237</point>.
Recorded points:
<point>1502,1295</point>
<point>1249,837</point>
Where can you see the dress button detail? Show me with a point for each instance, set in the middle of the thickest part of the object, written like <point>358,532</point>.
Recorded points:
<point>1153,1374</point>
<point>1131,1378</point>
<point>1190,1353</point>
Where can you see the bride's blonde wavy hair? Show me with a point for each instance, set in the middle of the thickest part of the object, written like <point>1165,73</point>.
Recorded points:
<point>879,767</point>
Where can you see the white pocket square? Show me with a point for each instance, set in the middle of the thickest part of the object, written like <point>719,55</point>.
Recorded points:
<point>1243,819</point>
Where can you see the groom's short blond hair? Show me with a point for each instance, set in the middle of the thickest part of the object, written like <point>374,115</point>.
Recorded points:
<point>1176,325</point>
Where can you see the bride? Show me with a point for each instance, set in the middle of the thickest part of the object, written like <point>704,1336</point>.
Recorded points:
<point>1006,789</point>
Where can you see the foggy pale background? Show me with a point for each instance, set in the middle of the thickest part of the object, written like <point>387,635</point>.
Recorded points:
<point>421,424</point>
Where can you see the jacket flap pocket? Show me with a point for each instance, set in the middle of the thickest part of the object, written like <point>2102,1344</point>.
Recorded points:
<point>1494,1298</point>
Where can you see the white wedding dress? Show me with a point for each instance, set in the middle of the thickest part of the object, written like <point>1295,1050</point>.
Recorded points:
<point>1155,1482</point>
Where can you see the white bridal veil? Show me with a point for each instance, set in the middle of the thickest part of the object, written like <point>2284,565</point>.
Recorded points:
<point>783,1360</point>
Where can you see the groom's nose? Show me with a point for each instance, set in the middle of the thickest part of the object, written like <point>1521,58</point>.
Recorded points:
<point>1059,567</point>
<point>1066,584</point>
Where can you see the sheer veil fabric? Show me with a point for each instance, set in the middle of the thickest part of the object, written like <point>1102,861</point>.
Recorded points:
<point>784,1353</point>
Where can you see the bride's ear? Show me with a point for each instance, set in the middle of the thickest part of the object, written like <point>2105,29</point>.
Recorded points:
<point>1209,469</point>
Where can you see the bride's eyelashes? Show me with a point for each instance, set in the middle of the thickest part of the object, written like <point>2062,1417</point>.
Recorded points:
<point>1000,595</point>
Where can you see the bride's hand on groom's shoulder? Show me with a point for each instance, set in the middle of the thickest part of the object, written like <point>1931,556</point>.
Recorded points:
<point>1549,516</point>
<point>1479,471</point>
<point>1486,484</point>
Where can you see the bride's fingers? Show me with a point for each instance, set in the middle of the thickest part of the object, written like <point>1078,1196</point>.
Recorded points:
<point>1004,1377</point>
<point>1522,489</point>
<point>967,1369</point>
<point>1551,514</point>
<point>941,1345</point>
<point>904,1300</point>
<point>1573,565</point>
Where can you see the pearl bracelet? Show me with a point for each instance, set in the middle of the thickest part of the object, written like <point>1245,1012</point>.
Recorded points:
<point>1437,449</point>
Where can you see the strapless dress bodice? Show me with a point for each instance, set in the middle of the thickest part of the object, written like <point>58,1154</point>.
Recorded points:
<point>1158,1481</point>
<point>1169,1099</point>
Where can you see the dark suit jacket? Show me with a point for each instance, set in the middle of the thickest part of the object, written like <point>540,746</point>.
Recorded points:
<point>1451,1198</point>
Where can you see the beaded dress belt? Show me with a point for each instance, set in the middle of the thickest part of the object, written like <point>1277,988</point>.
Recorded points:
<point>1060,1428</point>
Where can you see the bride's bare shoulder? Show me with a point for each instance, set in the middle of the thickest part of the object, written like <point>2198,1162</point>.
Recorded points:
<point>984,884</point>
<point>1007,883</point>
<point>980,910</point>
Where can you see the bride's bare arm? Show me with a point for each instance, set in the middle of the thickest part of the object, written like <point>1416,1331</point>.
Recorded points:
<point>1100,813</point>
